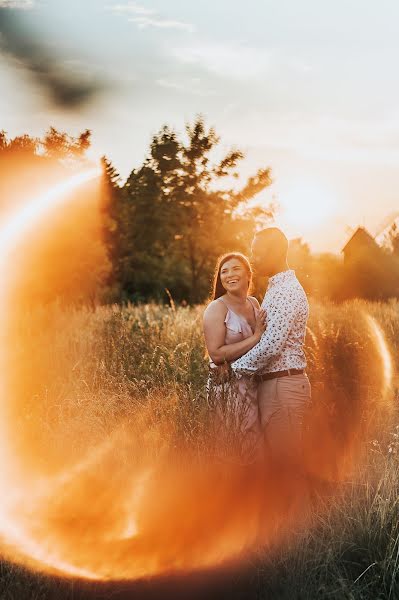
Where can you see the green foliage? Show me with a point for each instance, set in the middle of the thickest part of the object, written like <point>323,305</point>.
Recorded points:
<point>162,230</point>
<point>60,145</point>
<point>174,218</point>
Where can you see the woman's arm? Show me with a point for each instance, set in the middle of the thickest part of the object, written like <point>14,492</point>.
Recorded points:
<point>215,332</point>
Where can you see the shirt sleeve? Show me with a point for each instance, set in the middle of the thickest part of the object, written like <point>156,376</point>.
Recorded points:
<point>280,318</point>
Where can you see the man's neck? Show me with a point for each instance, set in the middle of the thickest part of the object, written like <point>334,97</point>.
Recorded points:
<point>280,269</point>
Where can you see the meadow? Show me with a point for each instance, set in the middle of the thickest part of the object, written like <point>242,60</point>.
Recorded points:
<point>79,373</point>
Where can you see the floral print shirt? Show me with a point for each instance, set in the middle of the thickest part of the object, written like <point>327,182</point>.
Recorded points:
<point>281,345</point>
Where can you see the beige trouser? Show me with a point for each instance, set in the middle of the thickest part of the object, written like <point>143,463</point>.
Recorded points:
<point>283,402</point>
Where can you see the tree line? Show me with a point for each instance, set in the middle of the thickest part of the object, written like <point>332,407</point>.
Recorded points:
<point>177,213</point>
<point>158,234</point>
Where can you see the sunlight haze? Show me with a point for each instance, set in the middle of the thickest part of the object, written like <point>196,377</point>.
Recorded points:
<point>306,88</point>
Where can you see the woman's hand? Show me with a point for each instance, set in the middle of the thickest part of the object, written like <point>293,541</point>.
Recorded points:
<point>260,324</point>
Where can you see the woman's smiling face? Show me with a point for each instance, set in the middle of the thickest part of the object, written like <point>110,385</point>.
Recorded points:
<point>234,276</point>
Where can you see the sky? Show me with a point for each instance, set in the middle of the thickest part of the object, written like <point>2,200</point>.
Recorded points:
<point>307,88</point>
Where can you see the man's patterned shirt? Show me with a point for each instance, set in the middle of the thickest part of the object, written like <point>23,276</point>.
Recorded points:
<point>281,345</point>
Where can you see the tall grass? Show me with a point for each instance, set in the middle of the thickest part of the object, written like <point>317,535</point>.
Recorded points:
<point>81,372</point>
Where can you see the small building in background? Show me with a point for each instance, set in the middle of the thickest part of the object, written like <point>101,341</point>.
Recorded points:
<point>370,271</point>
<point>360,246</point>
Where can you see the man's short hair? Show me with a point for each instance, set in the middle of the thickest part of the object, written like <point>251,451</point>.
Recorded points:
<point>274,235</point>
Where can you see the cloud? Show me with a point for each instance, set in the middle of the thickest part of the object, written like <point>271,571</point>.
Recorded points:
<point>329,138</point>
<point>227,60</point>
<point>192,86</point>
<point>24,46</point>
<point>17,4</point>
<point>144,22</point>
<point>145,17</point>
<point>240,62</point>
<point>132,8</point>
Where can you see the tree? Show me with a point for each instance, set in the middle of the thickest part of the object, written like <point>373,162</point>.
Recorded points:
<point>110,207</point>
<point>61,146</point>
<point>300,259</point>
<point>64,257</point>
<point>29,165</point>
<point>392,239</point>
<point>179,218</point>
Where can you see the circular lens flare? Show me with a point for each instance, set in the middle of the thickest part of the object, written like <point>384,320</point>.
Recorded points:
<point>102,518</point>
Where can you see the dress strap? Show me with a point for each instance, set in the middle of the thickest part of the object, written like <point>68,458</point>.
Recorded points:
<point>251,301</point>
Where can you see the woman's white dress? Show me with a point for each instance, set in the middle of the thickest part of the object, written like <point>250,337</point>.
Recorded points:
<point>234,399</point>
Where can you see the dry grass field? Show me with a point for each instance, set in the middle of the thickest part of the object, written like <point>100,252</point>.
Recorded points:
<point>79,375</point>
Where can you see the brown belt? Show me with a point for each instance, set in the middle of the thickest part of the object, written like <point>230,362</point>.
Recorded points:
<point>276,374</point>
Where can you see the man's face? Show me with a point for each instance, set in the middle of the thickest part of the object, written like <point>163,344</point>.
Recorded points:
<point>259,257</point>
<point>263,256</point>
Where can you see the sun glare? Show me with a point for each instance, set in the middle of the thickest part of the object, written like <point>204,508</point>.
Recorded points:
<point>98,517</point>
<point>15,224</point>
<point>13,227</point>
<point>117,507</point>
<point>383,350</point>
<point>305,205</point>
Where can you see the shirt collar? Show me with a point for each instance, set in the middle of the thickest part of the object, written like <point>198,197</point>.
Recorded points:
<point>282,277</point>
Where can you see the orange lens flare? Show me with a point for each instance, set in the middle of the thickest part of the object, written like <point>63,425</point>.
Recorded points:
<point>98,517</point>
<point>14,524</point>
<point>383,351</point>
<point>16,224</point>
<point>122,503</point>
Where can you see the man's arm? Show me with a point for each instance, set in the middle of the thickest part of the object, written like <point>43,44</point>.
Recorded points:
<point>280,319</point>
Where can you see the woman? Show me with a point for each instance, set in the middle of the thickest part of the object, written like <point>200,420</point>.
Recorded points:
<point>233,324</point>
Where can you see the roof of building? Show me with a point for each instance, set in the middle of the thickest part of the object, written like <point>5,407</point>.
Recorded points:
<point>361,237</point>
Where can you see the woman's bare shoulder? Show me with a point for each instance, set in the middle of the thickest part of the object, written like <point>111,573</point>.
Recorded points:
<point>214,310</point>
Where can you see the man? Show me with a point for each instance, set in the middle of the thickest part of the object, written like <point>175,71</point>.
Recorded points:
<point>278,361</point>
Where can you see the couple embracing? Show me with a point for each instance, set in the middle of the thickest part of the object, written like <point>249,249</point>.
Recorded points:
<point>256,353</point>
